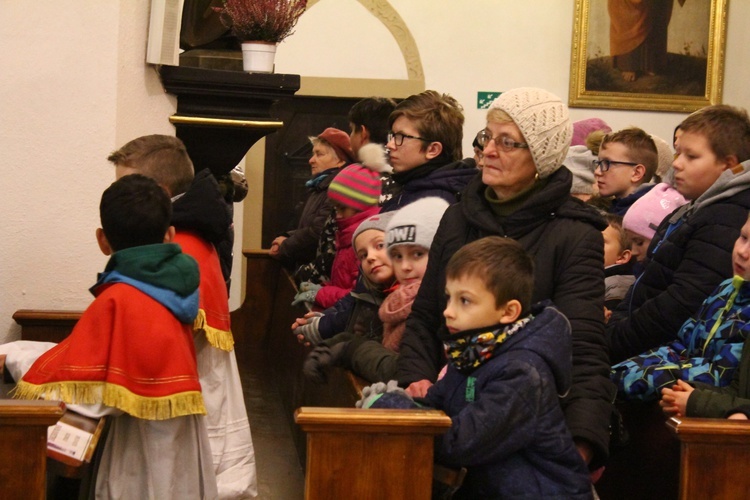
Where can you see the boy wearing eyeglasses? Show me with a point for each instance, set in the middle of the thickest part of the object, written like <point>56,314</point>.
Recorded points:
<point>424,148</point>
<point>627,161</point>
<point>690,254</point>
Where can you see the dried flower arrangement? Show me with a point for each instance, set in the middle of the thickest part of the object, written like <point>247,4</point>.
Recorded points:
<point>261,20</point>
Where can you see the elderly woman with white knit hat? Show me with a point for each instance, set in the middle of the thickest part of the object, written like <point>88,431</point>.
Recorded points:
<point>523,192</point>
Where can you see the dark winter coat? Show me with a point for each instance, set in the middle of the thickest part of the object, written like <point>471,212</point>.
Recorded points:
<point>563,235</point>
<point>356,313</point>
<point>512,436</point>
<point>445,182</point>
<point>301,243</point>
<point>202,209</point>
<point>684,267</point>
<point>621,205</point>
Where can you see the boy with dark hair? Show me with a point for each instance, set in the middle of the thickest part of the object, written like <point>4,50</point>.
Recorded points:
<point>113,361</point>
<point>690,254</point>
<point>508,364</point>
<point>368,120</point>
<point>424,146</point>
<point>627,162</point>
<point>202,220</point>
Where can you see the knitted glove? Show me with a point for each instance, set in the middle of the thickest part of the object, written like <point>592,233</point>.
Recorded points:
<point>309,286</point>
<point>310,330</point>
<point>372,393</point>
<point>308,296</point>
<point>319,359</point>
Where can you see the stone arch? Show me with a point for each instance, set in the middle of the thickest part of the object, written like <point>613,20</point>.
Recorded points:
<point>384,12</point>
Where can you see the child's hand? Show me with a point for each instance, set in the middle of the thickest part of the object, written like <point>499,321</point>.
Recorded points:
<point>737,416</point>
<point>607,314</point>
<point>418,389</point>
<point>306,329</point>
<point>674,401</point>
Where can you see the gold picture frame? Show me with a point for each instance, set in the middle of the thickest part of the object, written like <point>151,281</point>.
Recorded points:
<point>679,83</point>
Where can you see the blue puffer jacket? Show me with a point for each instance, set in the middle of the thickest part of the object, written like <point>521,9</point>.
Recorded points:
<point>512,436</point>
<point>707,349</point>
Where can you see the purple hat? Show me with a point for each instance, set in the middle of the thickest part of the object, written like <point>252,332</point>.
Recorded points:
<point>582,129</point>
<point>645,215</point>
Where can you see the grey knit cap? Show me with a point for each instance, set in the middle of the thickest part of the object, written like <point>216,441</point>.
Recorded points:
<point>377,221</point>
<point>543,120</point>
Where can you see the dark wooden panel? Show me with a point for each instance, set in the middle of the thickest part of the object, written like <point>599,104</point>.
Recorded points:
<point>287,152</point>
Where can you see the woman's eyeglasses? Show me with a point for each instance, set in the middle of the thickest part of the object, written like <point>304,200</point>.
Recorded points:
<point>502,142</point>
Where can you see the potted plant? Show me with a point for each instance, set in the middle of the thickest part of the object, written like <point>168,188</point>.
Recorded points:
<point>260,25</point>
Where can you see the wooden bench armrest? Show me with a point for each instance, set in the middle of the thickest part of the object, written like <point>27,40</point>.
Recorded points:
<point>372,420</point>
<point>391,452</point>
<point>257,253</point>
<point>714,430</point>
<point>711,453</point>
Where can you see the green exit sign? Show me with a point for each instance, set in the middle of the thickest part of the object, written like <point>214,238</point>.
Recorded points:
<point>484,99</point>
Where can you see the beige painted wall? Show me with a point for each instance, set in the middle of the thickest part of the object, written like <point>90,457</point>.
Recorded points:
<point>73,87</point>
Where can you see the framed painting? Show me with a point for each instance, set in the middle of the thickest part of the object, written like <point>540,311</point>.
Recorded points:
<point>654,55</point>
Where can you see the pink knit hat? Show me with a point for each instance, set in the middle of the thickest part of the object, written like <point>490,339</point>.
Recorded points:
<point>356,187</point>
<point>582,129</point>
<point>645,215</point>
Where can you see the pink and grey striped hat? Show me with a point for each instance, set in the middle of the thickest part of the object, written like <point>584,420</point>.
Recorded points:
<point>355,186</point>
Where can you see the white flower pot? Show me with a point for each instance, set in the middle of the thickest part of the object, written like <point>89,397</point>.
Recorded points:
<point>258,57</point>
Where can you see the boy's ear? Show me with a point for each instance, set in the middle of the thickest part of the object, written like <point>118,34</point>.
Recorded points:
<point>433,150</point>
<point>510,311</point>
<point>365,134</point>
<point>638,172</point>
<point>169,235</point>
<point>732,162</point>
<point>101,239</point>
<point>624,257</point>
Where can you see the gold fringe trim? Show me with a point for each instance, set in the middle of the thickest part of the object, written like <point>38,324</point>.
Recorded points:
<point>116,396</point>
<point>220,339</point>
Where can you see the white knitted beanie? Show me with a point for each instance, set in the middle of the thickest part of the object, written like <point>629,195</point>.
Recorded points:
<point>543,120</point>
<point>666,156</point>
<point>580,162</point>
<point>416,223</point>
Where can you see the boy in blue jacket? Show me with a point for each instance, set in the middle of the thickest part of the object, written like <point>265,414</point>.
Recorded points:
<point>508,365</point>
<point>708,347</point>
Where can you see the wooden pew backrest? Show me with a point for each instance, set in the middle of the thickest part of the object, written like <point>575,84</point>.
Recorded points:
<point>713,457</point>
<point>354,453</point>
<point>23,446</point>
<point>46,325</point>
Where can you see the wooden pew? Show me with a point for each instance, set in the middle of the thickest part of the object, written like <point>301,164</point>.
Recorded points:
<point>713,458</point>
<point>46,325</point>
<point>370,454</point>
<point>23,446</point>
